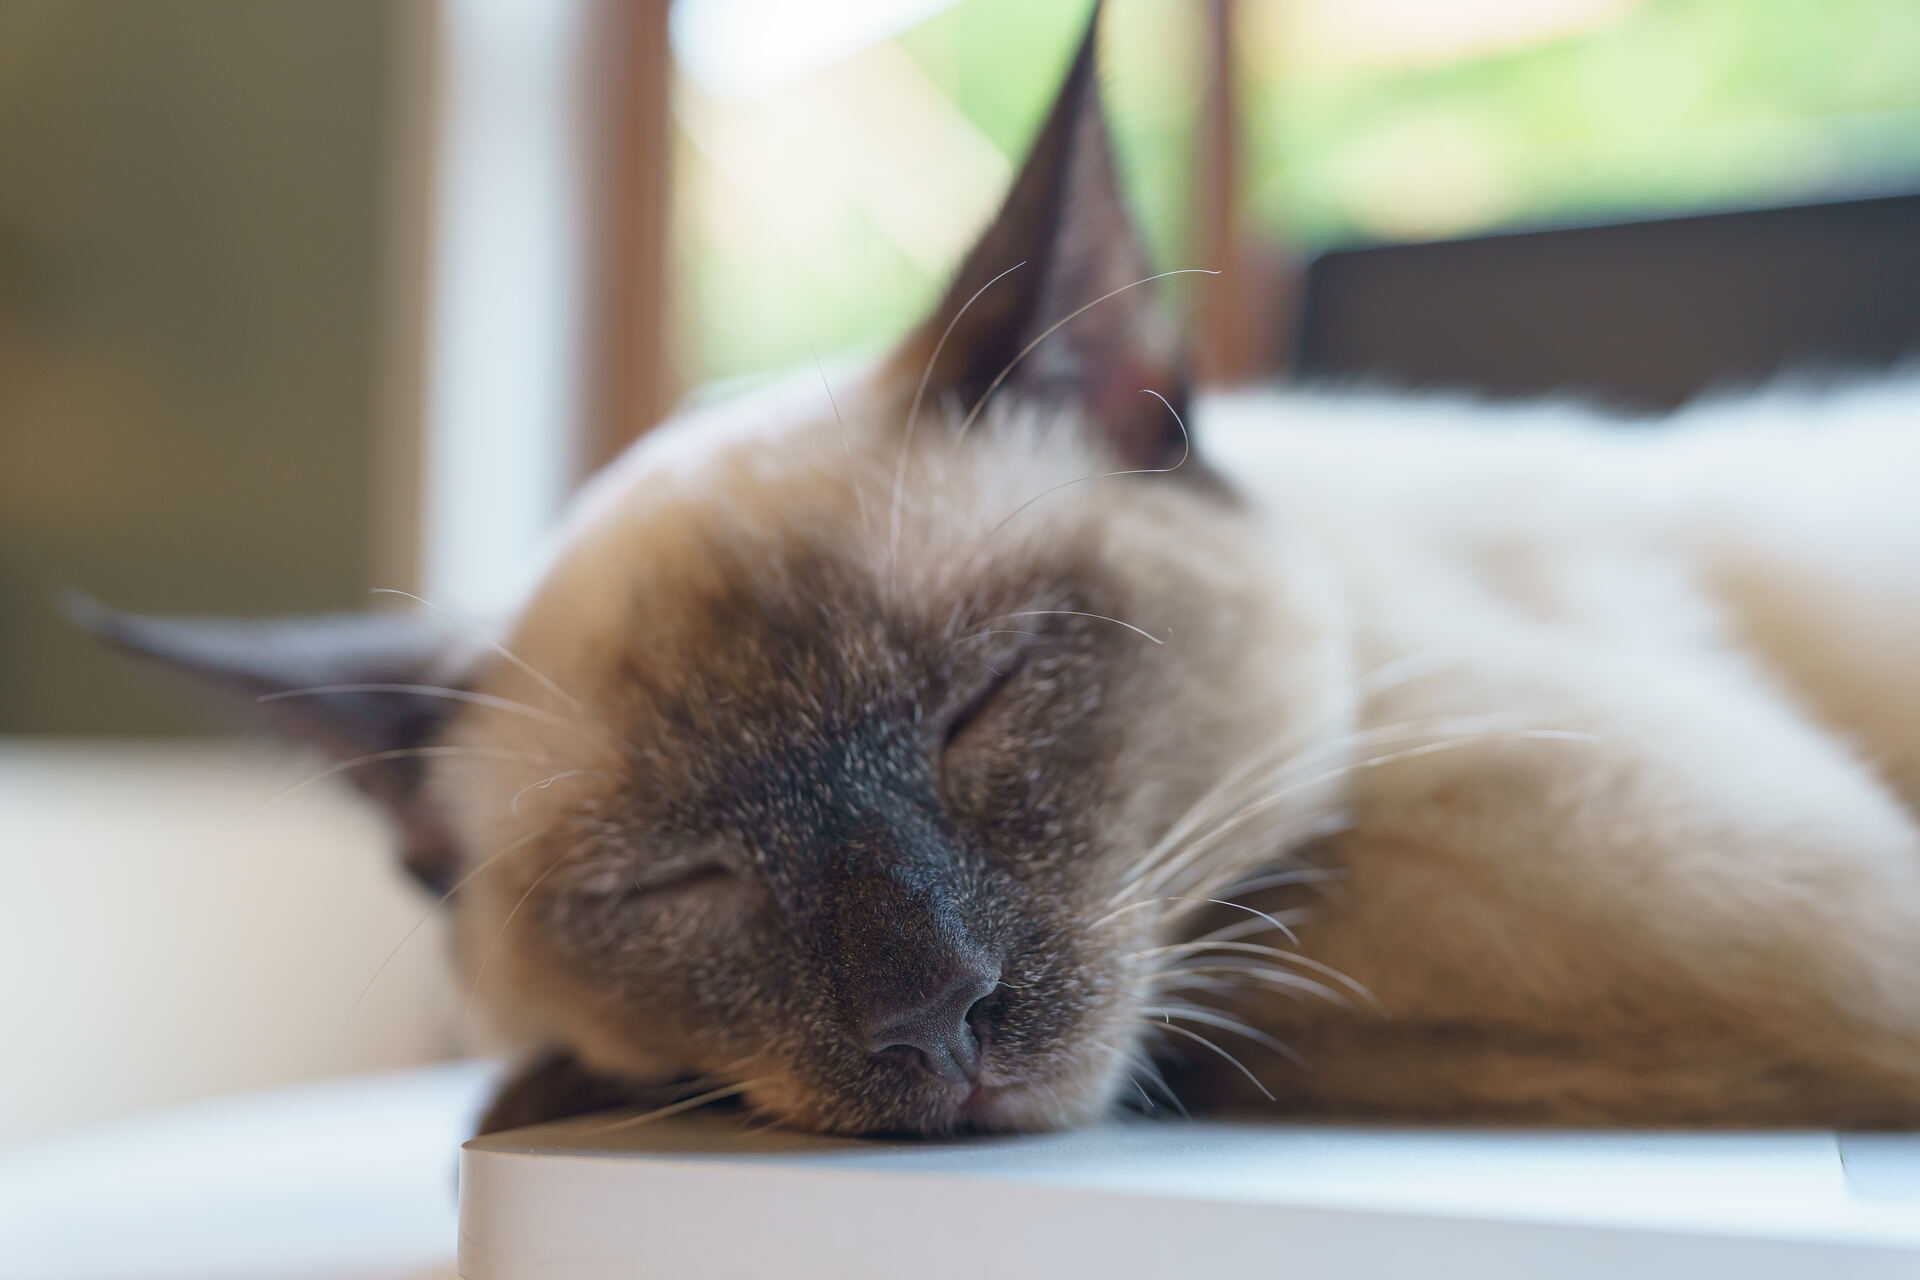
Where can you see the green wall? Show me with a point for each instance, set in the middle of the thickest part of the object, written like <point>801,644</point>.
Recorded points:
<point>191,209</point>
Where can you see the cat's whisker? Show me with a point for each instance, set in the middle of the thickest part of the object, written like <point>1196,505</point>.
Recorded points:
<point>1056,326</point>
<point>1218,902</point>
<point>1248,928</point>
<point>1186,453</point>
<point>853,470</point>
<point>1224,1022</point>
<point>1150,1069</point>
<point>1403,670</point>
<point>761,1119</point>
<point>1196,1037</point>
<point>436,691</point>
<point>493,948</point>
<point>1277,840</point>
<point>675,1108</point>
<point>913,417</point>
<point>1272,953</point>
<point>1280,879</point>
<point>1211,804</point>
<point>538,677</point>
<point>491,860</point>
<point>401,753</point>
<point>1202,844</point>
<point>1275,977</point>
<point>996,631</point>
<point>1215,802</point>
<point>1184,979</point>
<point>513,805</point>
<point>1076,613</point>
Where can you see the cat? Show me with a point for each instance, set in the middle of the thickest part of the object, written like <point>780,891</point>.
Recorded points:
<point>965,746</point>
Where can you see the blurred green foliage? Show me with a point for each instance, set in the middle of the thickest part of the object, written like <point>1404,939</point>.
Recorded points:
<point>1653,107</point>
<point>1672,106</point>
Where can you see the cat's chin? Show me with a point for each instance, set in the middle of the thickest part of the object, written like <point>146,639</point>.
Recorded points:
<point>1014,1109</point>
<point>1003,1105</point>
<point>989,1107</point>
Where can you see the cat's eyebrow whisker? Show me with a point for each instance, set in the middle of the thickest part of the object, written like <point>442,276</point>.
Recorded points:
<point>1055,327</point>
<point>436,691</point>
<point>538,677</point>
<point>1186,453</point>
<point>913,416</point>
<point>513,805</point>
<point>853,472</point>
<point>1076,613</point>
<point>1196,1037</point>
<point>402,753</point>
<point>997,631</point>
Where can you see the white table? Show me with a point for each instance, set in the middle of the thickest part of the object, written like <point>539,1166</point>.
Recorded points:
<point>699,1196</point>
<point>354,1180</point>
<point>345,1180</point>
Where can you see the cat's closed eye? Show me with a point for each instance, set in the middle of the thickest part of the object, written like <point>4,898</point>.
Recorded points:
<point>972,707</point>
<point>668,880</point>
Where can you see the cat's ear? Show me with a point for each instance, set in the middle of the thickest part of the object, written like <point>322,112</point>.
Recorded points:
<point>1061,241</point>
<point>353,685</point>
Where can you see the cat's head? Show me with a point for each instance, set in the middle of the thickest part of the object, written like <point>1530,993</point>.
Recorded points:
<point>850,748</point>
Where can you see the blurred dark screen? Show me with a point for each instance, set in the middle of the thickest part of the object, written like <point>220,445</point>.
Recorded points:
<point>1643,314</point>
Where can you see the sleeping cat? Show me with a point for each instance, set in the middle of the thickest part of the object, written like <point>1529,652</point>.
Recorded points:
<point>959,747</point>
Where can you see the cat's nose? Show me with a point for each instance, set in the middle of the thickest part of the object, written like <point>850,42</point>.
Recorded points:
<point>943,1033</point>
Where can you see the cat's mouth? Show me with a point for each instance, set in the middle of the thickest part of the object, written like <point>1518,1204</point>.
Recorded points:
<point>994,1103</point>
<point>1003,1108</point>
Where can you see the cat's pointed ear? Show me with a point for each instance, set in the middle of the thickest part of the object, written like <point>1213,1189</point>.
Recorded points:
<point>353,685</point>
<point>1061,241</point>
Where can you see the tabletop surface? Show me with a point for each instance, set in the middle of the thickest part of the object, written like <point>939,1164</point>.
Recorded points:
<point>591,1198</point>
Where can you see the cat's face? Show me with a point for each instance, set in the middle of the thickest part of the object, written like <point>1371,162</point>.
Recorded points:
<point>853,749</point>
<point>851,806</point>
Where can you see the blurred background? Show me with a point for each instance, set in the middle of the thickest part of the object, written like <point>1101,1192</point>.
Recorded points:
<point>302,298</point>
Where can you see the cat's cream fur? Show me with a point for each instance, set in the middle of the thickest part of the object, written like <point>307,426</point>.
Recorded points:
<point>1442,759</point>
<point>1727,871</point>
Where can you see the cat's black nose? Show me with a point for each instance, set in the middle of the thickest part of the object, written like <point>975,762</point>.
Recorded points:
<point>943,1033</point>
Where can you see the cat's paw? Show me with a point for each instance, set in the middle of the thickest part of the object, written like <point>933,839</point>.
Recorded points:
<point>551,1085</point>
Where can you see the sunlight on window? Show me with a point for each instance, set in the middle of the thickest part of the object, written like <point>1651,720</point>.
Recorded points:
<point>821,205</point>
<point>831,169</point>
<point>1403,119</point>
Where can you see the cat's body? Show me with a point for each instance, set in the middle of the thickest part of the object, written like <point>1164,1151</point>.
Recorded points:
<point>928,752</point>
<point>1708,908</point>
<point>1604,736</point>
